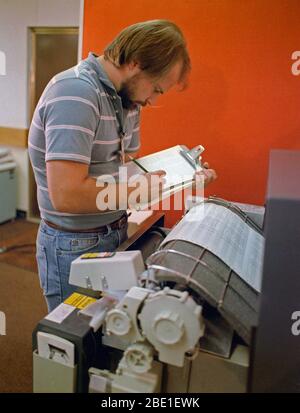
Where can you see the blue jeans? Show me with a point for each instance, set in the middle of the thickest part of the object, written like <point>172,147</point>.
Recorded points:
<point>55,250</point>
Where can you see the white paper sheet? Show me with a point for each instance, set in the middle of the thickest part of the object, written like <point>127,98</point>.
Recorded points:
<point>226,235</point>
<point>179,173</point>
<point>177,168</point>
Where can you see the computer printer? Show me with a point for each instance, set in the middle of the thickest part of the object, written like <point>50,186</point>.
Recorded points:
<point>168,314</point>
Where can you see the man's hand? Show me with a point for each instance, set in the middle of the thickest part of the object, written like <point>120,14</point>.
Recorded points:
<point>130,155</point>
<point>150,188</point>
<point>207,173</point>
<point>156,182</point>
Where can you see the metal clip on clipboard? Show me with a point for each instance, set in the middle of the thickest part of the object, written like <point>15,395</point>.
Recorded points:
<point>192,155</point>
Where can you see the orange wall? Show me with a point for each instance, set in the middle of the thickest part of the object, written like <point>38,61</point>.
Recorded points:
<point>243,99</point>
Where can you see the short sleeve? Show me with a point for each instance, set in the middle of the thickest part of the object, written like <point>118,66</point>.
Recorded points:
<point>70,116</point>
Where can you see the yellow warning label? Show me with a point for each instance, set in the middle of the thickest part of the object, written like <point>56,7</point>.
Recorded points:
<point>92,255</point>
<point>79,300</point>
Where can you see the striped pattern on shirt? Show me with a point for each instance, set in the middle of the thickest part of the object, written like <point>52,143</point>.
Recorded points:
<point>76,119</point>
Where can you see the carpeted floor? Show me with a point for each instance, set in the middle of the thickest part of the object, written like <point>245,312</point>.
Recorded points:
<point>22,302</point>
<point>19,232</point>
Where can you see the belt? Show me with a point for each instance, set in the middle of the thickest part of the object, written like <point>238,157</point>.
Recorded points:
<point>102,230</point>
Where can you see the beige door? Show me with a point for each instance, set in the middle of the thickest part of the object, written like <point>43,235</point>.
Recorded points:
<point>52,50</point>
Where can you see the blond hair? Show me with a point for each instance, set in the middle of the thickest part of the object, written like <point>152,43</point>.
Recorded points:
<point>155,44</point>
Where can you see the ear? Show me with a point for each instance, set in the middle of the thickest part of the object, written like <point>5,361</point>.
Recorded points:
<point>134,67</point>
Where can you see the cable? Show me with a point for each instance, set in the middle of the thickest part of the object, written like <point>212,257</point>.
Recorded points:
<point>158,230</point>
<point>14,247</point>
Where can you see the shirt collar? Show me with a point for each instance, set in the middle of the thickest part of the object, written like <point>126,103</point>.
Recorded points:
<point>94,62</point>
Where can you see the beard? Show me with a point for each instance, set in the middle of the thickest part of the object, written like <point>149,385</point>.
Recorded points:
<point>127,93</point>
<point>125,96</point>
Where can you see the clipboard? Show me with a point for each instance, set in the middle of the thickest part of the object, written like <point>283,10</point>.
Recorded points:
<point>179,162</point>
<point>193,155</point>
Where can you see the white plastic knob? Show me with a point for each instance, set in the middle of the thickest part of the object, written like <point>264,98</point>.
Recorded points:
<point>138,358</point>
<point>118,322</point>
<point>168,328</point>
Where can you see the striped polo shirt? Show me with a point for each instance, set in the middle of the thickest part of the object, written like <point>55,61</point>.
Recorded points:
<point>78,118</point>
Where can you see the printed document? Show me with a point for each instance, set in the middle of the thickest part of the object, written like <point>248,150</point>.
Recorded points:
<point>226,235</point>
<point>178,169</point>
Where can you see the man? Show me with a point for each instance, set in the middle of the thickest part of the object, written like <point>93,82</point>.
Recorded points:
<point>86,121</point>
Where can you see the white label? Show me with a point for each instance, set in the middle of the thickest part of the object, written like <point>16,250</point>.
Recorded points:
<point>60,313</point>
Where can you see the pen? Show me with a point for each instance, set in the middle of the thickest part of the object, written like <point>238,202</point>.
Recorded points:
<point>138,164</point>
